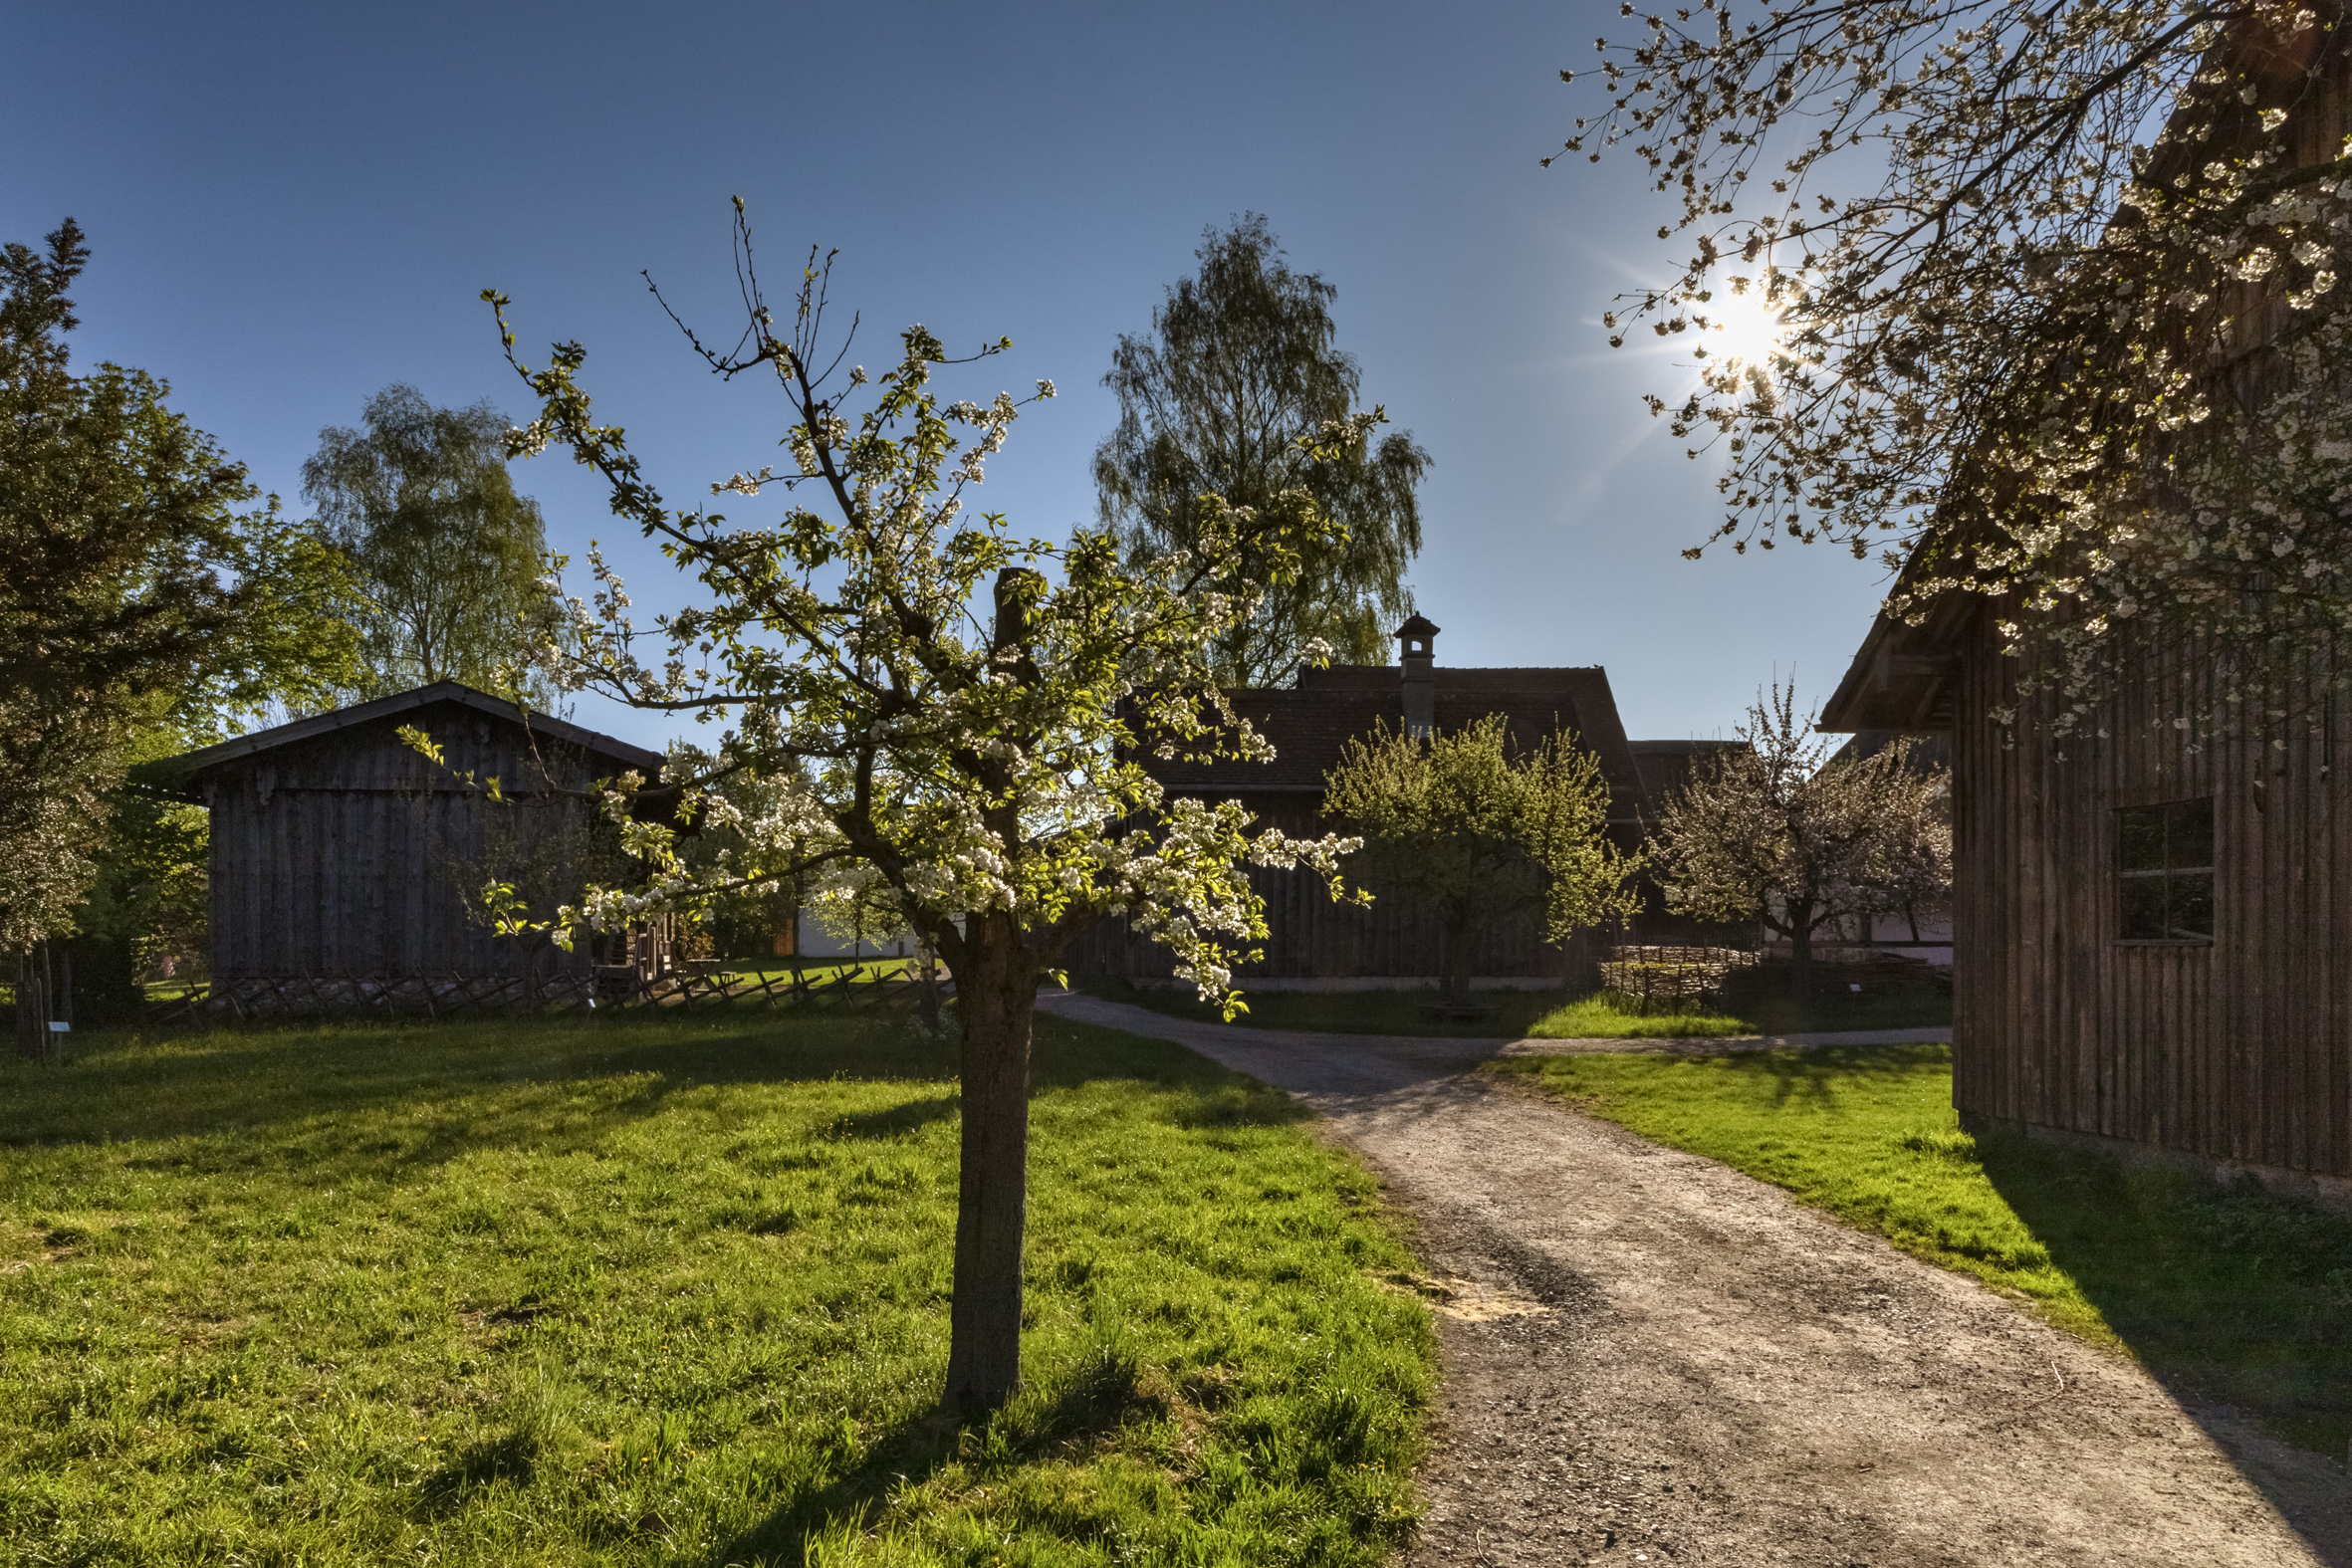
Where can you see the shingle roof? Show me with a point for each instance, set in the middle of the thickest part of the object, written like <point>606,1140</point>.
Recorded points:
<point>1666,764</point>
<point>1311,722</point>
<point>176,770</point>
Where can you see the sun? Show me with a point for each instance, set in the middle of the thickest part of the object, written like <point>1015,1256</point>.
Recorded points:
<point>1743,330</point>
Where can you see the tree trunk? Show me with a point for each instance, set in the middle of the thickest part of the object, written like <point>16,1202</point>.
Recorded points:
<point>1800,950</point>
<point>1452,955</point>
<point>32,1003</point>
<point>998,1001</point>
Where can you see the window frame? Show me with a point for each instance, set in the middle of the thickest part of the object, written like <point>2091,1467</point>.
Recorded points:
<point>2164,874</point>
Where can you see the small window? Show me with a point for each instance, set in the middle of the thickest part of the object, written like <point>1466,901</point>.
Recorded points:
<point>2165,871</point>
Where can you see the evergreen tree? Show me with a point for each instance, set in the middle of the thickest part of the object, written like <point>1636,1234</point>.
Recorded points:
<point>145,585</point>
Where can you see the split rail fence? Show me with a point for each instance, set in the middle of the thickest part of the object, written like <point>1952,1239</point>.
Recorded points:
<point>252,998</point>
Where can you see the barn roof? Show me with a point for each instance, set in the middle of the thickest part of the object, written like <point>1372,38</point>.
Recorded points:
<point>1666,764</point>
<point>185,769</point>
<point>1903,675</point>
<point>1311,722</point>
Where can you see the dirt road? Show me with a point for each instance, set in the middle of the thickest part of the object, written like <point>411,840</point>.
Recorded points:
<point>1650,1358</point>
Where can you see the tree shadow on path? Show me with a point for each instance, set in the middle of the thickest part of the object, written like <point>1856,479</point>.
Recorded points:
<point>2237,1302</point>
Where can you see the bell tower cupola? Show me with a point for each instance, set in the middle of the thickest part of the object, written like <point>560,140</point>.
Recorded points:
<point>1417,647</point>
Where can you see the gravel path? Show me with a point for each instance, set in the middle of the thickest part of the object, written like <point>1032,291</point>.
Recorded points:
<point>1650,1358</point>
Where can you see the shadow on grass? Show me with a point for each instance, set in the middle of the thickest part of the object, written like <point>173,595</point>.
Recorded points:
<point>1811,1076</point>
<point>1096,1398</point>
<point>510,1459</point>
<point>1832,1012</point>
<point>359,1097</point>
<point>2227,1294</point>
<point>899,1120</point>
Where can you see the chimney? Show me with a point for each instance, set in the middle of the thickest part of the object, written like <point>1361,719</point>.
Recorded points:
<point>1418,640</point>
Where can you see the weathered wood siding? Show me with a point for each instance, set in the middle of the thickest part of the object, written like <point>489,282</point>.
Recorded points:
<point>332,855</point>
<point>1313,938</point>
<point>2240,1050</point>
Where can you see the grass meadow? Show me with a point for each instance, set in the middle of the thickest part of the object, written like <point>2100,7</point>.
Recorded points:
<point>674,1291</point>
<point>1537,1015</point>
<point>2226,1292</point>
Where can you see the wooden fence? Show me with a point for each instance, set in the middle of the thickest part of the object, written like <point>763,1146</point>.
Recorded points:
<point>286,998</point>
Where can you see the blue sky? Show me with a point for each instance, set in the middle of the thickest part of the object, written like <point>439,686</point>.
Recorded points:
<point>292,205</point>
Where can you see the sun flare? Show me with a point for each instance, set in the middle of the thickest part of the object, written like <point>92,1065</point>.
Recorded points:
<point>1743,330</point>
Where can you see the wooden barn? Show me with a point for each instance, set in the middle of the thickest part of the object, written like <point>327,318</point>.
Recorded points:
<point>2152,939</point>
<point>338,852</point>
<point>1312,938</point>
<point>2152,930</point>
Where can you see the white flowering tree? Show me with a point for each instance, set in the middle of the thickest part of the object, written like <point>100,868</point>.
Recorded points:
<point>939,707</point>
<point>2042,296</point>
<point>1776,831</point>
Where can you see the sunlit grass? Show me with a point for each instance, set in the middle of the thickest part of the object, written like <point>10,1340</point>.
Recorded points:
<point>1606,1015</point>
<point>2229,1292</point>
<point>673,1290</point>
<point>1540,1015</point>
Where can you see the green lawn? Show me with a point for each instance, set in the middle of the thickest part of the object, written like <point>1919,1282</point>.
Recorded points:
<point>673,1290</point>
<point>2230,1294</point>
<point>817,970</point>
<point>1542,1014</point>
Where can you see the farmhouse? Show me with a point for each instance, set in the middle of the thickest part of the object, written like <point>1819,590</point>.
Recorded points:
<point>1310,723</point>
<point>338,852</point>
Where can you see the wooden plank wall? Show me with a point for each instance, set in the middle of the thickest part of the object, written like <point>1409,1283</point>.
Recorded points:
<point>1312,938</point>
<point>2240,1050</point>
<point>332,856</point>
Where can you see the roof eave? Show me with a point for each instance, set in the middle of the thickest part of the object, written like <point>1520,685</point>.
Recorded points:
<point>171,771</point>
<point>1903,677</point>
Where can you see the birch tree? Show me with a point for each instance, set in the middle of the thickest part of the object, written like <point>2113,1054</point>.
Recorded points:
<point>1242,361</point>
<point>444,556</point>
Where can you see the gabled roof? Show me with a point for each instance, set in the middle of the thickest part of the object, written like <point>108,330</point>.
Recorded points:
<point>1311,722</point>
<point>1903,676</point>
<point>1666,764</point>
<point>183,769</point>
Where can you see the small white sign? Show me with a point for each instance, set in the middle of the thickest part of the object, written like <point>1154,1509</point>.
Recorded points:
<point>61,1028</point>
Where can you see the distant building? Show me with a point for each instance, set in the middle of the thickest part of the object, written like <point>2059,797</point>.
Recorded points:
<point>811,940</point>
<point>337,847</point>
<point>1311,722</point>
